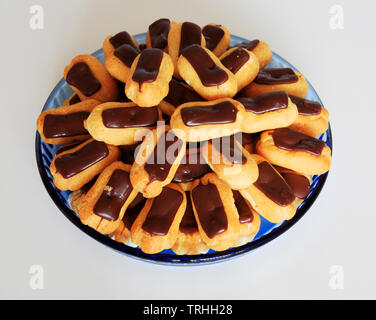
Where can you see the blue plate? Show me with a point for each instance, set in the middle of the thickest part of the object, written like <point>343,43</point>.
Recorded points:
<point>268,231</point>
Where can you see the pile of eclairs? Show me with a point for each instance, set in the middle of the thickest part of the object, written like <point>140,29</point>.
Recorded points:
<point>183,142</point>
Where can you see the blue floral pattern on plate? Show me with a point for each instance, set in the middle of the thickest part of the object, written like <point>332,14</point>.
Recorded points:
<point>268,231</point>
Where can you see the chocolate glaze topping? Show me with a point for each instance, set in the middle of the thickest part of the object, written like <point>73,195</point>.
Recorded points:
<point>249,45</point>
<point>121,38</point>
<point>213,35</point>
<point>306,107</point>
<point>190,34</point>
<point>210,210</point>
<point>130,117</point>
<point>70,164</point>
<point>299,184</point>
<point>229,149</point>
<point>188,224</point>
<point>114,195</point>
<point>158,32</point>
<point>192,167</point>
<point>131,214</point>
<point>148,65</point>
<point>65,125</point>
<point>291,140</point>
<point>245,213</point>
<point>265,103</point>
<point>210,74</point>
<point>180,93</point>
<point>162,212</point>
<point>235,60</point>
<point>126,54</point>
<point>163,156</point>
<point>276,76</point>
<point>220,113</point>
<point>75,99</point>
<point>81,77</point>
<point>273,186</point>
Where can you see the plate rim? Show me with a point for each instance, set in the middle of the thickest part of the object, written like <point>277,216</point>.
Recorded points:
<point>171,259</point>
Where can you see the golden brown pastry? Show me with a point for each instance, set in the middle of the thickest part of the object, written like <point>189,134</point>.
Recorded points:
<point>216,215</point>
<point>183,35</point>
<point>149,76</point>
<point>268,111</point>
<point>217,38</point>
<point>121,123</point>
<point>103,206</point>
<point>312,119</point>
<point>157,225</point>
<point>277,79</point>
<point>65,124</point>
<point>73,168</point>
<point>205,73</point>
<point>200,121</point>
<point>270,195</point>
<point>90,80</point>
<point>295,150</point>
<point>231,162</point>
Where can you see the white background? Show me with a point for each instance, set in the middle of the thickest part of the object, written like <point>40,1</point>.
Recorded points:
<point>338,230</point>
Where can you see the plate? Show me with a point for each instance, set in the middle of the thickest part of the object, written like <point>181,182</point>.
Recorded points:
<point>268,231</point>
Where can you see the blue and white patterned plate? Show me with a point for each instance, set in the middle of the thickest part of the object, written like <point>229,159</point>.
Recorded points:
<point>268,231</point>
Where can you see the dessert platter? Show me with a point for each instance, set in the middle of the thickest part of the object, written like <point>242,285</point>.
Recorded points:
<point>183,145</point>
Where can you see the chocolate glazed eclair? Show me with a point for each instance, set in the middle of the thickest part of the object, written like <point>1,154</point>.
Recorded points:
<point>111,43</point>
<point>157,226</point>
<point>205,73</point>
<point>73,168</point>
<point>216,215</point>
<point>121,123</point>
<point>90,80</point>
<point>217,38</point>
<point>312,119</point>
<point>181,36</point>
<point>268,111</point>
<point>277,79</point>
<point>230,161</point>
<point>242,63</point>
<point>149,77</point>
<point>200,121</point>
<point>65,124</point>
<point>270,195</point>
<point>261,50</point>
<point>104,204</point>
<point>157,34</point>
<point>295,150</point>
<point>156,162</point>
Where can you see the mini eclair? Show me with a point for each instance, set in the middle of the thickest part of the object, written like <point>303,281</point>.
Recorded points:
<point>200,121</point>
<point>103,206</point>
<point>73,168</point>
<point>90,79</point>
<point>295,150</point>
<point>149,77</point>
<point>277,79</point>
<point>157,225</point>
<point>65,124</point>
<point>121,123</point>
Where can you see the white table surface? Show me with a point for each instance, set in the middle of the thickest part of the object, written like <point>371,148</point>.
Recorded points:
<point>339,230</point>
